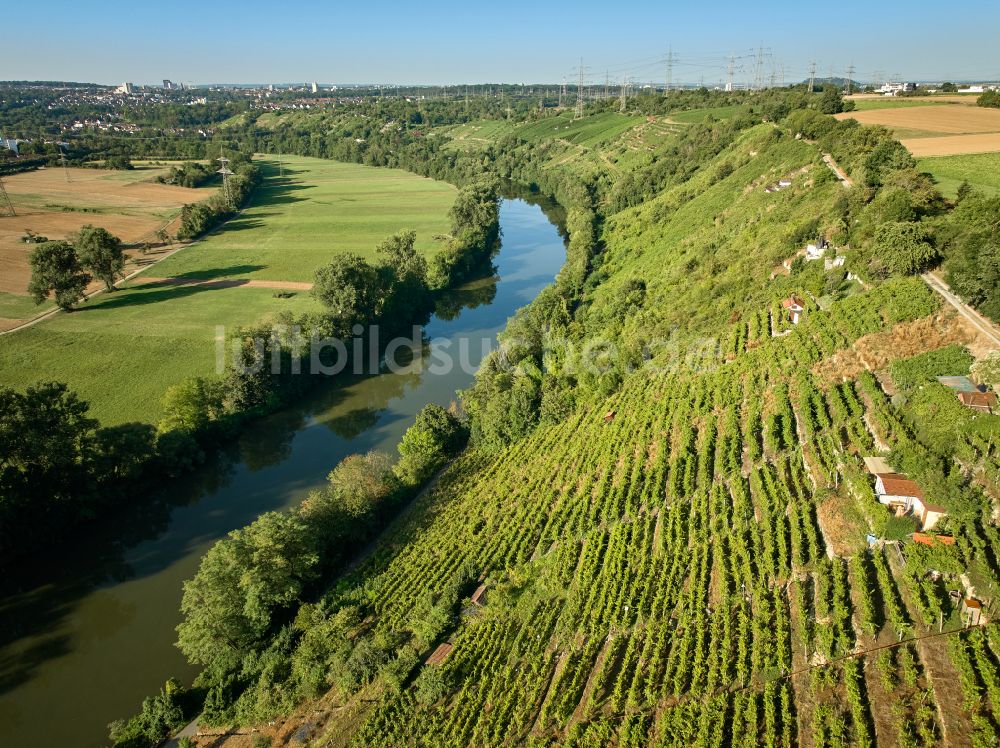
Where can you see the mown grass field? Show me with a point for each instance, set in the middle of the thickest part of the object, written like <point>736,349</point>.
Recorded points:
<point>890,102</point>
<point>121,351</point>
<point>981,171</point>
<point>319,209</point>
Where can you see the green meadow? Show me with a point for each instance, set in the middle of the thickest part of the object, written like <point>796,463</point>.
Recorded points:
<point>121,351</point>
<point>318,209</point>
<point>980,170</point>
<point>892,102</point>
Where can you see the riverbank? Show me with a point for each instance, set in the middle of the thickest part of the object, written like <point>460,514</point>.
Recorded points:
<point>90,631</point>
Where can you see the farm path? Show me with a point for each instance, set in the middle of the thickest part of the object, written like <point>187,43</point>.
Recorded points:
<point>92,294</point>
<point>978,321</point>
<point>225,283</point>
<point>841,174</point>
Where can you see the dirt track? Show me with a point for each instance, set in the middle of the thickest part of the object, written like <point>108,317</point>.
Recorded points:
<point>143,280</point>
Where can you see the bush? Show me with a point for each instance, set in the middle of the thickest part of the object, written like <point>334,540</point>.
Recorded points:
<point>159,716</point>
<point>431,685</point>
<point>989,99</point>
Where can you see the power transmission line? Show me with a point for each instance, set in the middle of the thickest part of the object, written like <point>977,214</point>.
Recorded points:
<point>812,76</point>
<point>850,76</point>
<point>621,105</point>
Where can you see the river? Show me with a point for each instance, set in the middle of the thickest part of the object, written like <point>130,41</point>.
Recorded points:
<point>87,632</point>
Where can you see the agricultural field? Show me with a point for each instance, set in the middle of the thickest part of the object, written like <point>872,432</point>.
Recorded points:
<point>867,102</point>
<point>318,209</point>
<point>129,204</point>
<point>938,130</point>
<point>121,351</point>
<point>477,134</point>
<point>981,171</point>
<point>587,132</point>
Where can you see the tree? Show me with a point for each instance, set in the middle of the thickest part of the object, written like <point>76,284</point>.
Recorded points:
<point>949,87</point>
<point>101,253</point>
<point>475,207</point>
<point>361,483</point>
<point>121,163</point>
<point>887,156</point>
<point>435,436</point>
<point>349,506</point>
<point>55,269</point>
<point>349,287</point>
<point>904,248</point>
<point>47,443</point>
<point>831,101</point>
<point>431,685</point>
<point>973,252</point>
<point>192,404</point>
<point>403,279</point>
<point>242,582</point>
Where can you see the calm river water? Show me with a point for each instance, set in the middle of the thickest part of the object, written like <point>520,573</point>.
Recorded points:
<point>88,632</point>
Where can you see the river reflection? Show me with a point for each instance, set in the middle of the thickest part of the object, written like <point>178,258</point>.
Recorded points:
<point>88,631</point>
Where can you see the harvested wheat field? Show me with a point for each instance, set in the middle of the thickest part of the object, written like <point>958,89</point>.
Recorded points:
<point>953,145</point>
<point>129,204</point>
<point>948,119</point>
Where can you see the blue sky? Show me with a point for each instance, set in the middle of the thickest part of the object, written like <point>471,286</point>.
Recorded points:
<point>439,42</point>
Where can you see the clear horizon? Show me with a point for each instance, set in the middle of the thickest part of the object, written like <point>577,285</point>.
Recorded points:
<point>446,43</point>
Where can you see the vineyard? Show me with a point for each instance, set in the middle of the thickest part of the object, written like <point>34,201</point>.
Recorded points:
<point>662,578</point>
<point>680,543</point>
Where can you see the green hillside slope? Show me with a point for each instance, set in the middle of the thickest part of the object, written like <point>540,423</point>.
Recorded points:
<point>664,531</point>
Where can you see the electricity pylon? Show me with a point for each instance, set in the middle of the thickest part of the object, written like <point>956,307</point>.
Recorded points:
<point>5,202</point>
<point>226,173</point>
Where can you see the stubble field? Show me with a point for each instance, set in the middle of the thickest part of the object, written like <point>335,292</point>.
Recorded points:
<point>57,203</point>
<point>944,130</point>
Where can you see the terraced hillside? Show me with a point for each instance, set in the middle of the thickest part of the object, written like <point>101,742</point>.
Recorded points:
<point>685,562</point>
<point>691,551</point>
